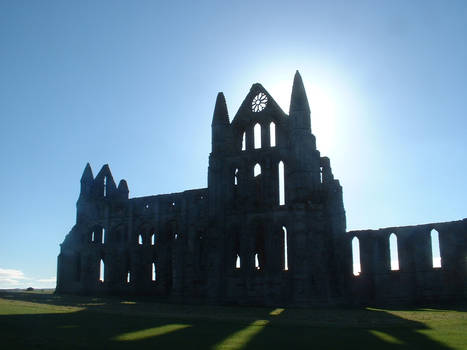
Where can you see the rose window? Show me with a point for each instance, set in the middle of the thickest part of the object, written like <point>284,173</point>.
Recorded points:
<point>259,102</point>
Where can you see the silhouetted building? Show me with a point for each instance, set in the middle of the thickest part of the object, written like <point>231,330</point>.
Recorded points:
<point>270,228</point>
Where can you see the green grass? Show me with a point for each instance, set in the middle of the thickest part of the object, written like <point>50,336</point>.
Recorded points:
<point>41,320</point>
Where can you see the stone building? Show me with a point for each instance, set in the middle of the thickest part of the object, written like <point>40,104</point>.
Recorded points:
<point>270,228</point>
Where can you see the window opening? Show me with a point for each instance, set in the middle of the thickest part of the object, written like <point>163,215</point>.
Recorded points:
<point>281,183</point>
<point>153,239</point>
<point>272,134</point>
<point>256,262</point>
<point>286,258</point>
<point>257,135</point>
<point>356,256</point>
<point>103,236</point>
<point>244,142</point>
<point>435,252</point>
<point>393,252</point>
<point>259,102</point>
<point>140,239</point>
<point>153,272</point>
<point>105,186</point>
<point>259,248</point>
<point>101,270</point>
<point>321,174</point>
<point>257,170</point>
<point>128,277</point>
<point>237,262</point>
<point>236,177</point>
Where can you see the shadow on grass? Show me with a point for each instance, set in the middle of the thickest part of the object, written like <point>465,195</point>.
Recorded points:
<point>106,323</point>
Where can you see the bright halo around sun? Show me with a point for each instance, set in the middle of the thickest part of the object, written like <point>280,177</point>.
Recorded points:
<point>323,105</point>
<point>323,101</point>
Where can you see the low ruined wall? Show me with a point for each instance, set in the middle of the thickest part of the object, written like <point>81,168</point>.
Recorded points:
<point>416,280</point>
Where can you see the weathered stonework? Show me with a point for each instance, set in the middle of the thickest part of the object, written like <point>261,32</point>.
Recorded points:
<point>252,236</point>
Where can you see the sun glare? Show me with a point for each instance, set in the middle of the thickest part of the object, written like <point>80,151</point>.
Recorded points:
<point>323,101</point>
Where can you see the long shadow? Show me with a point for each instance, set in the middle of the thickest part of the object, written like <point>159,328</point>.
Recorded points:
<point>107,323</point>
<point>387,332</point>
<point>96,330</point>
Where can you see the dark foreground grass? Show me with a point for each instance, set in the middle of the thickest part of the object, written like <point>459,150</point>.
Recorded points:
<point>32,320</point>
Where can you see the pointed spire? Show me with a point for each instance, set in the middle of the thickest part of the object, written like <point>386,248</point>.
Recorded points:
<point>298,100</point>
<point>221,115</point>
<point>87,181</point>
<point>105,170</point>
<point>123,188</point>
<point>87,174</point>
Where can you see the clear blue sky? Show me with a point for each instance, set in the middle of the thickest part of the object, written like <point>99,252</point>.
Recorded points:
<point>133,84</point>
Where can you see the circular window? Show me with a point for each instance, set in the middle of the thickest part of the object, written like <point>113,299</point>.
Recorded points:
<point>259,102</point>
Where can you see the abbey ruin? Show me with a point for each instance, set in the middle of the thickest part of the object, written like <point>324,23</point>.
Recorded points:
<point>269,229</point>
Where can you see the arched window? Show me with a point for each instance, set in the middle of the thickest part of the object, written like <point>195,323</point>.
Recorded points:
<point>93,236</point>
<point>103,235</point>
<point>435,252</point>
<point>257,170</point>
<point>281,183</point>
<point>257,135</point>
<point>154,275</point>
<point>236,177</point>
<point>101,270</point>
<point>356,256</point>
<point>237,262</point>
<point>175,235</point>
<point>257,267</point>
<point>140,239</point>
<point>244,141</point>
<point>272,134</point>
<point>128,277</point>
<point>286,253</point>
<point>153,239</point>
<point>393,252</point>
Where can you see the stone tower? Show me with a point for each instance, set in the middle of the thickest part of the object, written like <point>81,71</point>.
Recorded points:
<point>274,207</point>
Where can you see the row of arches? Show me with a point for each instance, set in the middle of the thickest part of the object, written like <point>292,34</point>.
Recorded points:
<point>102,277</point>
<point>261,253</point>
<point>152,241</point>
<point>99,235</point>
<point>394,252</point>
<point>128,275</point>
<point>258,135</point>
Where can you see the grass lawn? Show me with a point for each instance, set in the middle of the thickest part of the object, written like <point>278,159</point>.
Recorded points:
<point>42,320</point>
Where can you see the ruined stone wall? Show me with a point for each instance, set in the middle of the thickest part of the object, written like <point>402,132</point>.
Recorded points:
<point>129,236</point>
<point>416,280</point>
<point>270,228</point>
